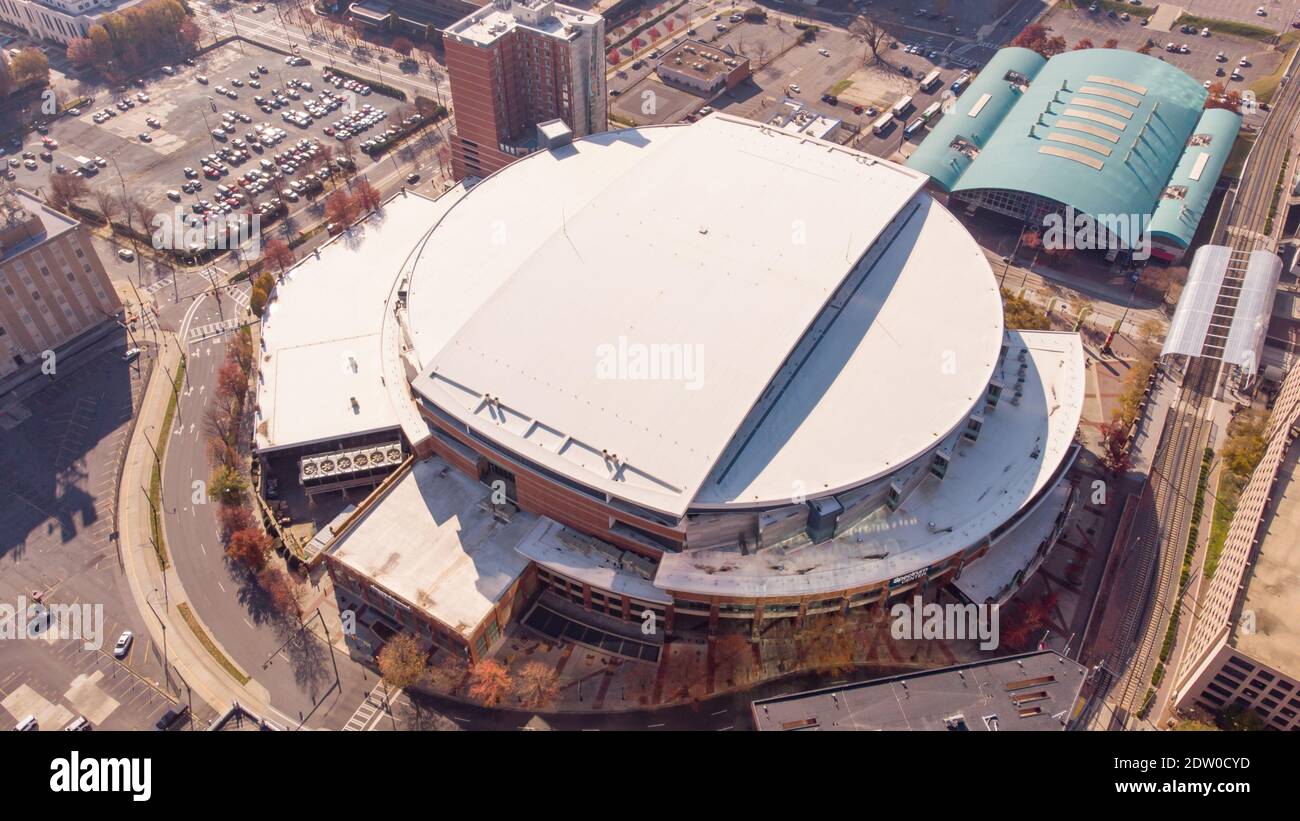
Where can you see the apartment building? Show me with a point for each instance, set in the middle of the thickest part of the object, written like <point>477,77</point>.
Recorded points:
<point>513,65</point>
<point>53,287</point>
<point>1242,652</point>
<point>58,20</point>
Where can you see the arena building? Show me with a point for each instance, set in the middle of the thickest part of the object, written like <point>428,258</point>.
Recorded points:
<point>644,408</point>
<point>1119,136</point>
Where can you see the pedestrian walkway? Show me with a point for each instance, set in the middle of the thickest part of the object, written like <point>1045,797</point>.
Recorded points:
<point>364,716</point>
<point>212,329</point>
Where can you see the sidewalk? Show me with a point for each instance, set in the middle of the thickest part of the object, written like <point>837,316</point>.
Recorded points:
<point>158,594</point>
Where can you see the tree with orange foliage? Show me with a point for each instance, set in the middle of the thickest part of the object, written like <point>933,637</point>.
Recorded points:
<point>249,547</point>
<point>826,643</point>
<point>285,596</point>
<point>539,684</point>
<point>340,208</point>
<point>278,253</point>
<point>1035,37</point>
<point>233,518</point>
<point>734,654</point>
<point>489,683</point>
<point>367,197</point>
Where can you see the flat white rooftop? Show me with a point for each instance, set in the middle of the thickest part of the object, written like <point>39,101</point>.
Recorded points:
<point>321,332</point>
<point>993,577</point>
<point>619,316</point>
<point>428,541</point>
<point>571,554</point>
<point>1018,452</point>
<point>491,22</point>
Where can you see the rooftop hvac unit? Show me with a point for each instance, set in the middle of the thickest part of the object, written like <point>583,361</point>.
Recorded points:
<point>1024,354</point>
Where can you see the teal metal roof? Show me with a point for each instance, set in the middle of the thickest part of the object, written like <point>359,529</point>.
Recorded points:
<point>1101,130</point>
<point>935,155</point>
<point>1176,218</point>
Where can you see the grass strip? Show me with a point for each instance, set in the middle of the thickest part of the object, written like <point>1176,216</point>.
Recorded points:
<point>206,640</point>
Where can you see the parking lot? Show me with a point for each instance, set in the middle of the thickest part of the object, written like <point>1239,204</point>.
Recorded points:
<point>58,477</point>
<point>1200,61</point>
<point>186,112</point>
<point>1278,14</point>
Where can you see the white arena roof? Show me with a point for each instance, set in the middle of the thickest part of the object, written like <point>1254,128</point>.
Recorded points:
<point>1017,456</point>
<point>712,249</point>
<point>321,332</point>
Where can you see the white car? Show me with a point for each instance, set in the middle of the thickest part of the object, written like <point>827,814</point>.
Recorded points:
<point>823,52</point>
<point>123,643</point>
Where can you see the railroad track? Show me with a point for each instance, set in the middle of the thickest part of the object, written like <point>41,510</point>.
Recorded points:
<point>1175,473</point>
<point>1170,493</point>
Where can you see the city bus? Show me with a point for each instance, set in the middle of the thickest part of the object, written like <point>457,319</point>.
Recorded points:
<point>931,111</point>
<point>882,125</point>
<point>913,127</point>
<point>959,85</point>
<point>901,107</point>
<point>931,81</point>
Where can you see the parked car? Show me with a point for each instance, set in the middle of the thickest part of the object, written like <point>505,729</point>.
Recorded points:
<point>123,644</point>
<point>172,717</point>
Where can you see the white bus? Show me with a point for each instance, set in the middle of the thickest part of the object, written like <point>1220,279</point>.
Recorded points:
<point>931,81</point>
<point>901,107</point>
<point>931,111</point>
<point>882,125</point>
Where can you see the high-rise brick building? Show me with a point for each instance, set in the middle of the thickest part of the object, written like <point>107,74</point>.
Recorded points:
<point>53,287</point>
<point>516,64</point>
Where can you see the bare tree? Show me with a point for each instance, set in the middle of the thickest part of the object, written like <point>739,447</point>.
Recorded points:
<point>872,35</point>
<point>106,203</point>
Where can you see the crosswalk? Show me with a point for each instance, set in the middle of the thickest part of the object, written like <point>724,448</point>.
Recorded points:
<point>240,296</point>
<point>154,287</point>
<point>366,710</point>
<point>212,329</point>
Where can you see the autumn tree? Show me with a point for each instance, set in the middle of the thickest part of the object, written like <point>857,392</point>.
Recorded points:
<point>733,654</point>
<point>403,662</point>
<point>232,381</point>
<point>1111,43</point>
<point>403,46</point>
<point>82,52</point>
<point>285,596</point>
<point>365,195</point>
<point>278,253</point>
<point>6,75</point>
<point>539,684</point>
<point>1083,43</point>
<point>1219,97</point>
<point>30,66</point>
<point>826,643</point>
<point>226,486</point>
<point>340,208</point>
<point>1245,444</point>
<point>1036,38</point>
<point>489,683</point>
<point>1022,315</point>
<point>1115,456</point>
<point>233,518</point>
<point>249,548</point>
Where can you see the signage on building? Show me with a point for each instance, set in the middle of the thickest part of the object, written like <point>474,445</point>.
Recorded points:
<point>906,578</point>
